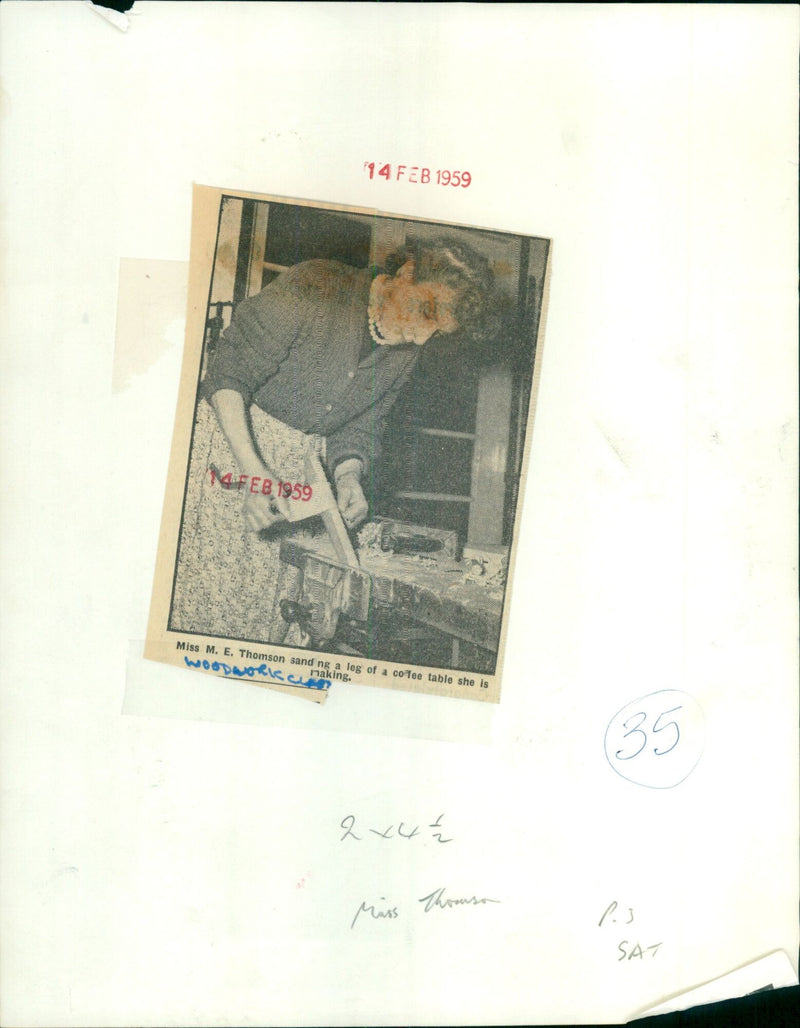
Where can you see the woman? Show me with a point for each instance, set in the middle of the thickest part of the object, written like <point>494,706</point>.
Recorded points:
<point>312,363</point>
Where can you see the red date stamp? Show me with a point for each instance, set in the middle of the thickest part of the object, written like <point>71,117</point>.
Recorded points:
<point>262,486</point>
<point>416,174</point>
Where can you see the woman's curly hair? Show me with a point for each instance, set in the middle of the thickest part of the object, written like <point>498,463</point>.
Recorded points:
<point>466,271</point>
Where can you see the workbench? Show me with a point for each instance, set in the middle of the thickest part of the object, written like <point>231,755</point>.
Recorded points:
<point>440,595</point>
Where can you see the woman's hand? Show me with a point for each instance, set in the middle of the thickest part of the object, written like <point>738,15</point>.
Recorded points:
<point>262,511</point>
<point>259,511</point>
<point>349,494</point>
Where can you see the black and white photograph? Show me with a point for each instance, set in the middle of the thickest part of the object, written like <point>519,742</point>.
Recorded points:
<point>358,440</point>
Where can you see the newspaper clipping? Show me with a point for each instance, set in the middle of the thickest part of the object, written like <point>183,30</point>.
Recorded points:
<point>350,447</point>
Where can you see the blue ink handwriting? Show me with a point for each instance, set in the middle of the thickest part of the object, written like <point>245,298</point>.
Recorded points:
<point>262,670</point>
<point>657,740</point>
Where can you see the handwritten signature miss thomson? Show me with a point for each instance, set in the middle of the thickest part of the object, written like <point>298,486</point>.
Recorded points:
<point>433,901</point>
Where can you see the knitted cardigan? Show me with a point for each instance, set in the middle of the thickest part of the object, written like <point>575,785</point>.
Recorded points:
<point>295,349</point>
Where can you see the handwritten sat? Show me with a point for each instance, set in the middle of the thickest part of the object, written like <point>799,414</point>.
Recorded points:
<point>311,365</point>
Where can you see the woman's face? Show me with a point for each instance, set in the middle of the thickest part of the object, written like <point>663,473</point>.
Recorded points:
<point>404,311</point>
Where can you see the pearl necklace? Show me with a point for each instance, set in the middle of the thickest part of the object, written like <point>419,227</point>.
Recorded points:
<point>377,338</point>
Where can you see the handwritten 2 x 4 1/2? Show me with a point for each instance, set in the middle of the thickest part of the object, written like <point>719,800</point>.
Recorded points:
<point>435,900</point>
<point>348,823</point>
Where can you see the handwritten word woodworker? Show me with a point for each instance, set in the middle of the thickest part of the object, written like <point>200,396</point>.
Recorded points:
<point>312,363</point>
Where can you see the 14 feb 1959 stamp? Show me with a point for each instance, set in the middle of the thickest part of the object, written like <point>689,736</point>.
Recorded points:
<point>350,445</point>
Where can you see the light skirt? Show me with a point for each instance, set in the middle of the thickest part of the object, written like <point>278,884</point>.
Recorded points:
<point>229,581</point>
